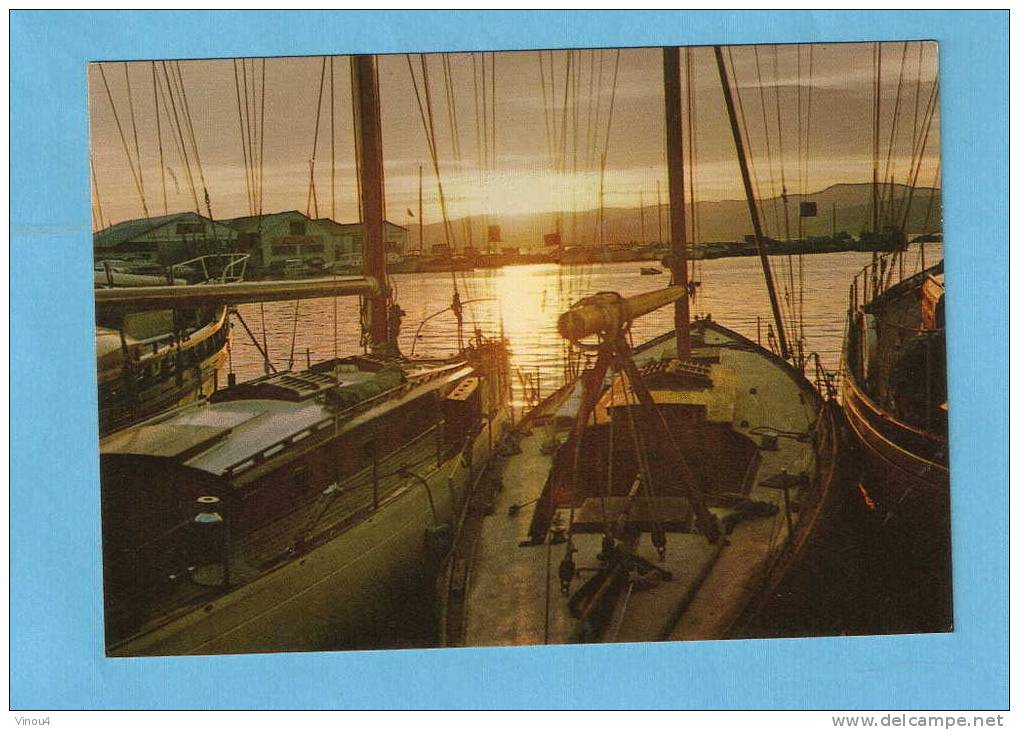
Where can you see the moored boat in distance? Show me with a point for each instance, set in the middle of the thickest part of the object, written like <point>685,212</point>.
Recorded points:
<point>894,390</point>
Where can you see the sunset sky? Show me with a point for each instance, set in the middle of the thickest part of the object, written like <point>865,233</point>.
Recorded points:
<point>521,177</point>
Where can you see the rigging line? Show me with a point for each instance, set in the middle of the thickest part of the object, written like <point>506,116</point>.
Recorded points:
<point>790,285</point>
<point>450,238</point>
<point>781,144</point>
<point>175,136</point>
<point>182,149</point>
<point>597,109</point>
<point>312,195</point>
<point>95,192</point>
<point>691,137</point>
<point>477,112</point>
<point>246,132</point>
<point>123,140</point>
<point>876,212</point>
<point>244,146</point>
<point>612,104</point>
<point>916,95</point>
<point>929,109</point>
<point>194,139</point>
<point>919,164</point>
<point>544,102</point>
<point>494,138</point>
<point>589,128</point>
<point>745,135</point>
<point>767,136</point>
<point>484,106</point>
<point>577,76</point>
<point>889,194</point>
<point>563,140</point>
<point>134,128</point>
<point>293,335</point>
<point>930,200</point>
<point>332,139</point>
<point>257,89</point>
<point>478,144</point>
<point>159,137</point>
<point>261,145</point>
<point>806,182</point>
<point>454,130</point>
<point>430,140</point>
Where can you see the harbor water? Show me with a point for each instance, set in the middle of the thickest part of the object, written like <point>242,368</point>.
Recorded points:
<point>523,303</point>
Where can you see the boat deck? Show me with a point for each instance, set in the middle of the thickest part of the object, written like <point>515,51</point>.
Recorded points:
<point>513,595</point>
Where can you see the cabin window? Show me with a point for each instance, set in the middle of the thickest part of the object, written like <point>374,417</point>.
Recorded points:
<point>314,248</point>
<point>297,228</point>
<point>190,227</point>
<point>283,250</point>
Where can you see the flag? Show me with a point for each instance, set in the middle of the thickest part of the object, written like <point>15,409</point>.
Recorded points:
<point>410,212</point>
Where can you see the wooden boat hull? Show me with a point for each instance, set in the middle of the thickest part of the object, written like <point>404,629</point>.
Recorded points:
<point>768,582</point>
<point>903,481</point>
<point>165,379</point>
<point>357,590</point>
<point>906,498</point>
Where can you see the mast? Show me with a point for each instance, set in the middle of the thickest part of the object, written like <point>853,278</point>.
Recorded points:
<point>677,195</point>
<point>421,209</point>
<point>737,138</point>
<point>661,234</point>
<point>877,137</point>
<point>368,139</point>
<point>643,237</point>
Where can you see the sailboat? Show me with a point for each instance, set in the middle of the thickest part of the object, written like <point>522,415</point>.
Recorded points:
<point>895,391</point>
<point>691,487</point>
<point>302,510</point>
<point>152,360</point>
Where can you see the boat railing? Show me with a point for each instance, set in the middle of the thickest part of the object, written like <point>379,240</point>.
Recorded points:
<point>229,268</point>
<point>877,277</point>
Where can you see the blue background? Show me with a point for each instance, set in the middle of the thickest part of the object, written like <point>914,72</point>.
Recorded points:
<point>56,611</point>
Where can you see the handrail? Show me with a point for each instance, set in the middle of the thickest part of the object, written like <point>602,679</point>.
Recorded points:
<point>227,275</point>
<point>875,283</point>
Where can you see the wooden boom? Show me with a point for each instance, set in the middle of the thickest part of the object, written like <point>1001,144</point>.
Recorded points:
<point>199,295</point>
<point>608,313</point>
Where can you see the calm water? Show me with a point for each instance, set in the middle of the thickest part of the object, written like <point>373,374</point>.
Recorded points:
<point>524,302</point>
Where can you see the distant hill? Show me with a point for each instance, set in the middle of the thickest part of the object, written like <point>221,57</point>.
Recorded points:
<point>723,220</point>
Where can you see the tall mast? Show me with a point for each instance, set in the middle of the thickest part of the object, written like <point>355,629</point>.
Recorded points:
<point>737,138</point>
<point>661,233</point>
<point>643,237</point>
<point>877,137</point>
<point>368,139</point>
<point>677,195</point>
<point>421,211</point>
